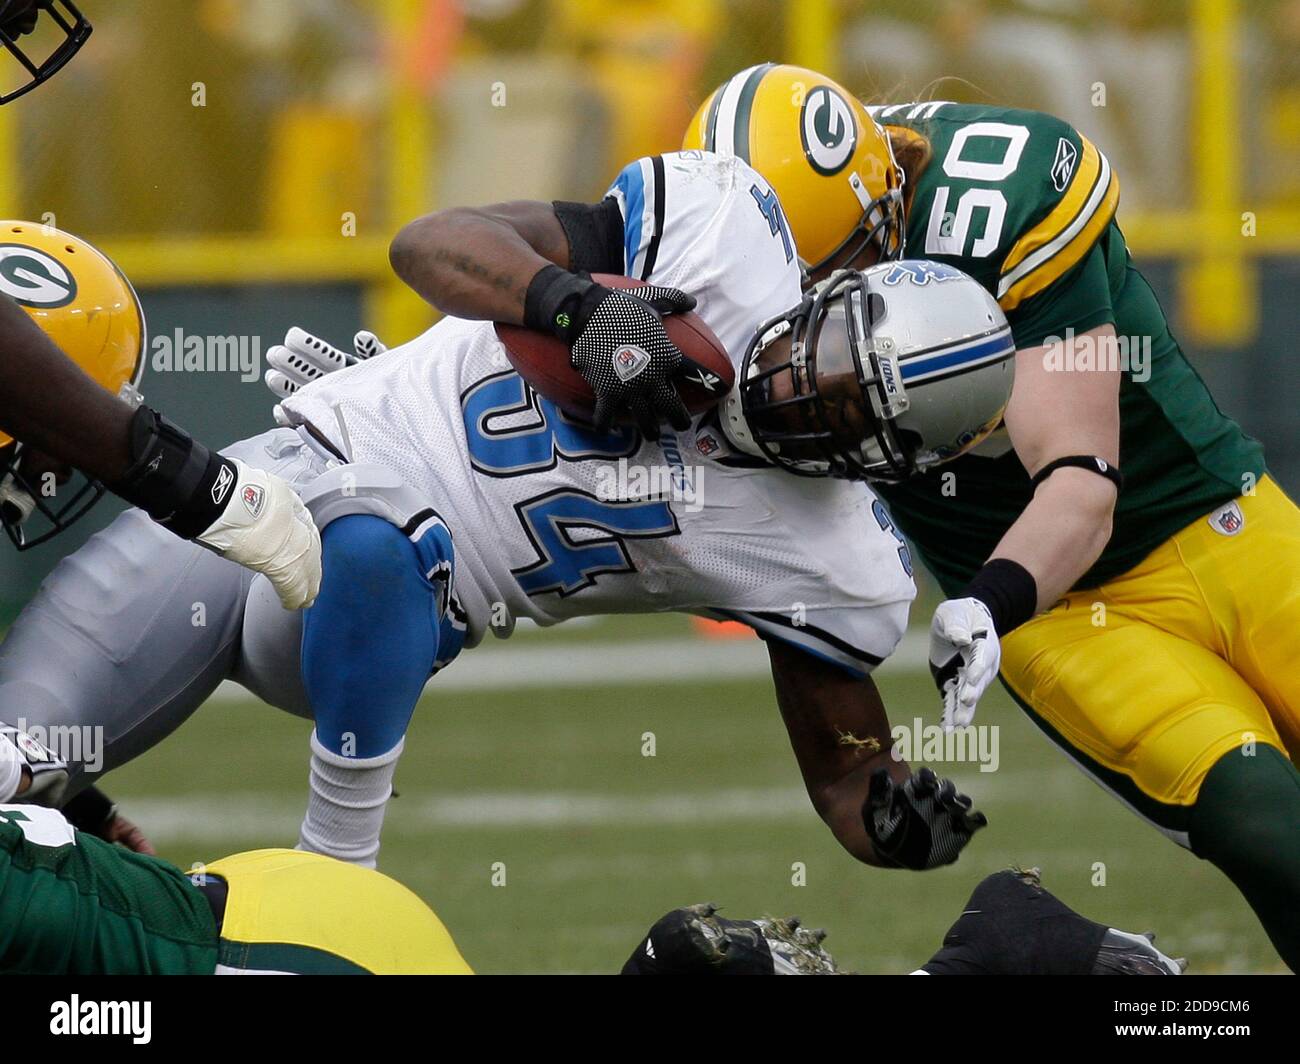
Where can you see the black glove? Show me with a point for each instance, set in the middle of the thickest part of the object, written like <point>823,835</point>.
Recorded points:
<point>617,342</point>
<point>20,18</point>
<point>922,823</point>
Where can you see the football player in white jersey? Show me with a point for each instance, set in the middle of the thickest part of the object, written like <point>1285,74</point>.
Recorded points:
<point>453,500</point>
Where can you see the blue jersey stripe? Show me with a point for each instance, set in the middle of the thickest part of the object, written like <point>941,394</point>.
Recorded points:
<point>631,184</point>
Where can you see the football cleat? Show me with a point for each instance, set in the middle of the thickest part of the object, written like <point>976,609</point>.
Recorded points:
<point>1013,926</point>
<point>1123,953</point>
<point>696,941</point>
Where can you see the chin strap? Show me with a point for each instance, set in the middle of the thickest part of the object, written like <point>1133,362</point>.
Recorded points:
<point>734,425</point>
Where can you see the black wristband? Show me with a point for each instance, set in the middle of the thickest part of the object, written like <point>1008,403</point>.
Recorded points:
<point>560,302</point>
<point>174,478</point>
<point>90,811</point>
<point>1008,589</point>
<point>1090,462</point>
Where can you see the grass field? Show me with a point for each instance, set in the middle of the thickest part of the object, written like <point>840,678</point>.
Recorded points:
<point>597,840</point>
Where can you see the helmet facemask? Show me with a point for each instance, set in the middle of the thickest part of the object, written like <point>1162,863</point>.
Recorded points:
<point>73,26</point>
<point>843,388</point>
<point>24,494</point>
<point>882,227</point>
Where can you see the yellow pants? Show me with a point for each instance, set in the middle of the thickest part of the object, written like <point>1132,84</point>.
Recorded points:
<point>1148,680</point>
<point>301,913</point>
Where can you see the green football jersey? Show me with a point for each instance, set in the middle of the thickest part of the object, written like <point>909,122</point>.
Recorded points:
<point>71,904</point>
<point>1026,205</point>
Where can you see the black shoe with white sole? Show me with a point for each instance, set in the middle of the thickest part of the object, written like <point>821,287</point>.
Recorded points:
<point>696,941</point>
<point>1013,926</point>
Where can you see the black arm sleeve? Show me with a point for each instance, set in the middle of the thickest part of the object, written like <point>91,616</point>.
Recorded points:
<point>595,232</point>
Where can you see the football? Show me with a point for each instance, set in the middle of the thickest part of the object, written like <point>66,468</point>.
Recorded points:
<point>705,377</point>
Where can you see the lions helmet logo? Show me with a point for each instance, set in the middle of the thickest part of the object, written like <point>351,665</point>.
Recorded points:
<point>889,376</point>
<point>34,279</point>
<point>828,130</point>
<point>920,272</point>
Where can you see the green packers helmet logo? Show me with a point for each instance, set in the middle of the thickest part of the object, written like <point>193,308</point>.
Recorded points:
<point>32,278</point>
<point>828,130</point>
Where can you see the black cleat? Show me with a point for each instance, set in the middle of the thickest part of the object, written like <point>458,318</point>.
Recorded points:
<point>695,940</point>
<point>1013,926</point>
<point>1122,953</point>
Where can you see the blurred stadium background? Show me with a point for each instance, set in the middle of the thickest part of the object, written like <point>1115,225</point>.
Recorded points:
<point>246,161</point>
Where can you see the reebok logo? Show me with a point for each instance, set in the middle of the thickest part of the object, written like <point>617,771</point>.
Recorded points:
<point>220,489</point>
<point>706,380</point>
<point>1063,165</point>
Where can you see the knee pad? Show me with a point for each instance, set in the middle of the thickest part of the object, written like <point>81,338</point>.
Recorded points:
<point>369,553</point>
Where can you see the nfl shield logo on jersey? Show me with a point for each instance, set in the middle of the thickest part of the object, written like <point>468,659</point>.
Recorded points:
<point>1228,520</point>
<point>706,443</point>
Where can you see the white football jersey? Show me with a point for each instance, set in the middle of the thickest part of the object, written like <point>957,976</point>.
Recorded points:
<point>551,520</point>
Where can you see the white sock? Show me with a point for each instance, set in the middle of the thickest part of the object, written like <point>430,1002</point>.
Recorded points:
<point>345,809</point>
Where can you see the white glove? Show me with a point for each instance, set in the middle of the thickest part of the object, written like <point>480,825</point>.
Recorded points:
<point>266,528</point>
<point>303,358</point>
<point>48,771</point>
<point>964,657</point>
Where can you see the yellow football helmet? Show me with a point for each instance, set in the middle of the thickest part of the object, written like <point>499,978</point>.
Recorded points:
<point>83,303</point>
<point>828,161</point>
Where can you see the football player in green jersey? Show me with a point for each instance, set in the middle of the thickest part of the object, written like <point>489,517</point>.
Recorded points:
<point>1117,550</point>
<point>72,344</point>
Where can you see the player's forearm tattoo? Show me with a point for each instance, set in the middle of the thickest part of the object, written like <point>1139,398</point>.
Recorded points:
<point>467,266</point>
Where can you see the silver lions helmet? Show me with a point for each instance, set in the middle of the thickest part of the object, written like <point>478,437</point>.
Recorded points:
<point>877,374</point>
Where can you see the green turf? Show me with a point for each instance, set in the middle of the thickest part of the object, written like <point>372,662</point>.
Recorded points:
<point>579,896</point>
